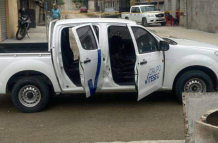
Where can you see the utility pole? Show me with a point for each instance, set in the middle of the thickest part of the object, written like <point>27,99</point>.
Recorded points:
<point>158,4</point>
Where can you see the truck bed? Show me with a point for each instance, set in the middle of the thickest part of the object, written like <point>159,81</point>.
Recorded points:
<point>24,48</point>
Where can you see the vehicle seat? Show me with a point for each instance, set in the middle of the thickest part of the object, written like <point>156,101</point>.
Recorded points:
<point>71,66</point>
<point>120,65</point>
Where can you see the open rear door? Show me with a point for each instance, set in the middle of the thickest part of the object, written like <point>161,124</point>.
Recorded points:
<point>51,29</point>
<point>149,66</point>
<point>90,58</point>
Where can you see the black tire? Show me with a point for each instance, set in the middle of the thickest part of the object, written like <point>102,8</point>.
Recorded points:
<point>185,77</point>
<point>126,18</point>
<point>23,34</point>
<point>144,22</point>
<point>31,82</point>
<point>163,24</point>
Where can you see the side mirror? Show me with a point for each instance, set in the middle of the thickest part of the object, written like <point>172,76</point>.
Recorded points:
<point>164,46</point>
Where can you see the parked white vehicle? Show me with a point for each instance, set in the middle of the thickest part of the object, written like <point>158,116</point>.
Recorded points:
<point>145,14</point>
<point>103,55</point>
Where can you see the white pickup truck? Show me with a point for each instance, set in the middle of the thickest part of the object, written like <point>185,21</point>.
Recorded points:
<point>103,55</point>
<point>145,14</point>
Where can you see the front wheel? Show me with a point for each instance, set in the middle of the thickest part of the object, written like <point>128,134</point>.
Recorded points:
<point>21,33</point>
<point>163,24</point>
<point>30,95</point>
<point>144,22</point>
<point>193,81</point>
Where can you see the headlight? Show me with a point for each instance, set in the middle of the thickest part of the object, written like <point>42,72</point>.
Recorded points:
<point>216,53</point>
<point>150,15</point>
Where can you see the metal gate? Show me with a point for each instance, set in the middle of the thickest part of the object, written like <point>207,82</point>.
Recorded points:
<point>3,19</point>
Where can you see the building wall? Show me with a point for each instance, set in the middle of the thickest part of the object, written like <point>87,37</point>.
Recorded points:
<point>197,14</point>
<point>204,15</point>
<point>183,17</point>
<point>91,5</point>
<point>172,6</point>
<point>12,17</point>
<point>0,32</point>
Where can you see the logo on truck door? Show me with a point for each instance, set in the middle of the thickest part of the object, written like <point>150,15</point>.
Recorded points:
<point>153,74</point>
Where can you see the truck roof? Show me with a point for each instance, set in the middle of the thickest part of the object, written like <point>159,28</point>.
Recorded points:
<point>95,20</point>
<point>142,5</point>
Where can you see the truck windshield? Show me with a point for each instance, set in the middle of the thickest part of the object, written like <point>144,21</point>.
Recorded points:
<point>148,8</point>
<point>109,9</point>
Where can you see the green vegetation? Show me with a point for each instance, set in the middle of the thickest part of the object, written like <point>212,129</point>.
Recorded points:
<point>76,1</point>
<point>60,2</point>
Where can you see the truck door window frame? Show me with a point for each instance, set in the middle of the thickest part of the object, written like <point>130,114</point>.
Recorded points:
<point>133,10</point>
<point>88,39</point>
<point>141,51</point>
<point>137,10</point>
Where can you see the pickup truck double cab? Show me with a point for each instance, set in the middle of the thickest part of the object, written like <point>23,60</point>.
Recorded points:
<point>145,14</point>
<point>103,55</point>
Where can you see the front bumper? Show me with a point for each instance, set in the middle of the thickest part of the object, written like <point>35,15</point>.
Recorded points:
<point>111,15</point>
<point>156,20</point>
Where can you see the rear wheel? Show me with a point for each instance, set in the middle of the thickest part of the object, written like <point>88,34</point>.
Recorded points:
<point>193,81</point>
<point>144,22</point>
<point>30,95</point>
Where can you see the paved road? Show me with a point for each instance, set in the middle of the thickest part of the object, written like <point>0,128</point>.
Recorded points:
<point>103,118</point>
<point>183,33</point>
<point>68,5</point>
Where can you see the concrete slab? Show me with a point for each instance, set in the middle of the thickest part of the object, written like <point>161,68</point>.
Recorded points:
<point>205,133</point>
<point>195,105</point>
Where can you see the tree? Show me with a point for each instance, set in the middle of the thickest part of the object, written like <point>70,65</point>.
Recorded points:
<point>59,2</point>
<point>132,2</point>
<point>75,1</point>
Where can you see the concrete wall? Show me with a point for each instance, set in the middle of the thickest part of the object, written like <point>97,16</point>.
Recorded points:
<point>204,15</point>
<point>91,5</point>
<point>195,105</point>
<point>12,17</point>
<point>0,32</point>
<point>183,17</point>
<point>205,133</point>
<point>171,5</point>
<point>201,15</point>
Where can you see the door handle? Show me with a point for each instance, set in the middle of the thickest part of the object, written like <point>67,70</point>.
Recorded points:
<point>143,62</point>
<point>87,61</point>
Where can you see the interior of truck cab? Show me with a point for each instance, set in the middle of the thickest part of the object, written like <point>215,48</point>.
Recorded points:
<point>70,56</point>
<point>122,55</point>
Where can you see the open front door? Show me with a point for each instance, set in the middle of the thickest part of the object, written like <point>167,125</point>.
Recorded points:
<point>149,66</point>
<point>90,58</point>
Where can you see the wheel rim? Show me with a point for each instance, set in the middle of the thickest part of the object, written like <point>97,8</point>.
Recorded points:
<point>195,85</point>
<point>29,96</point>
